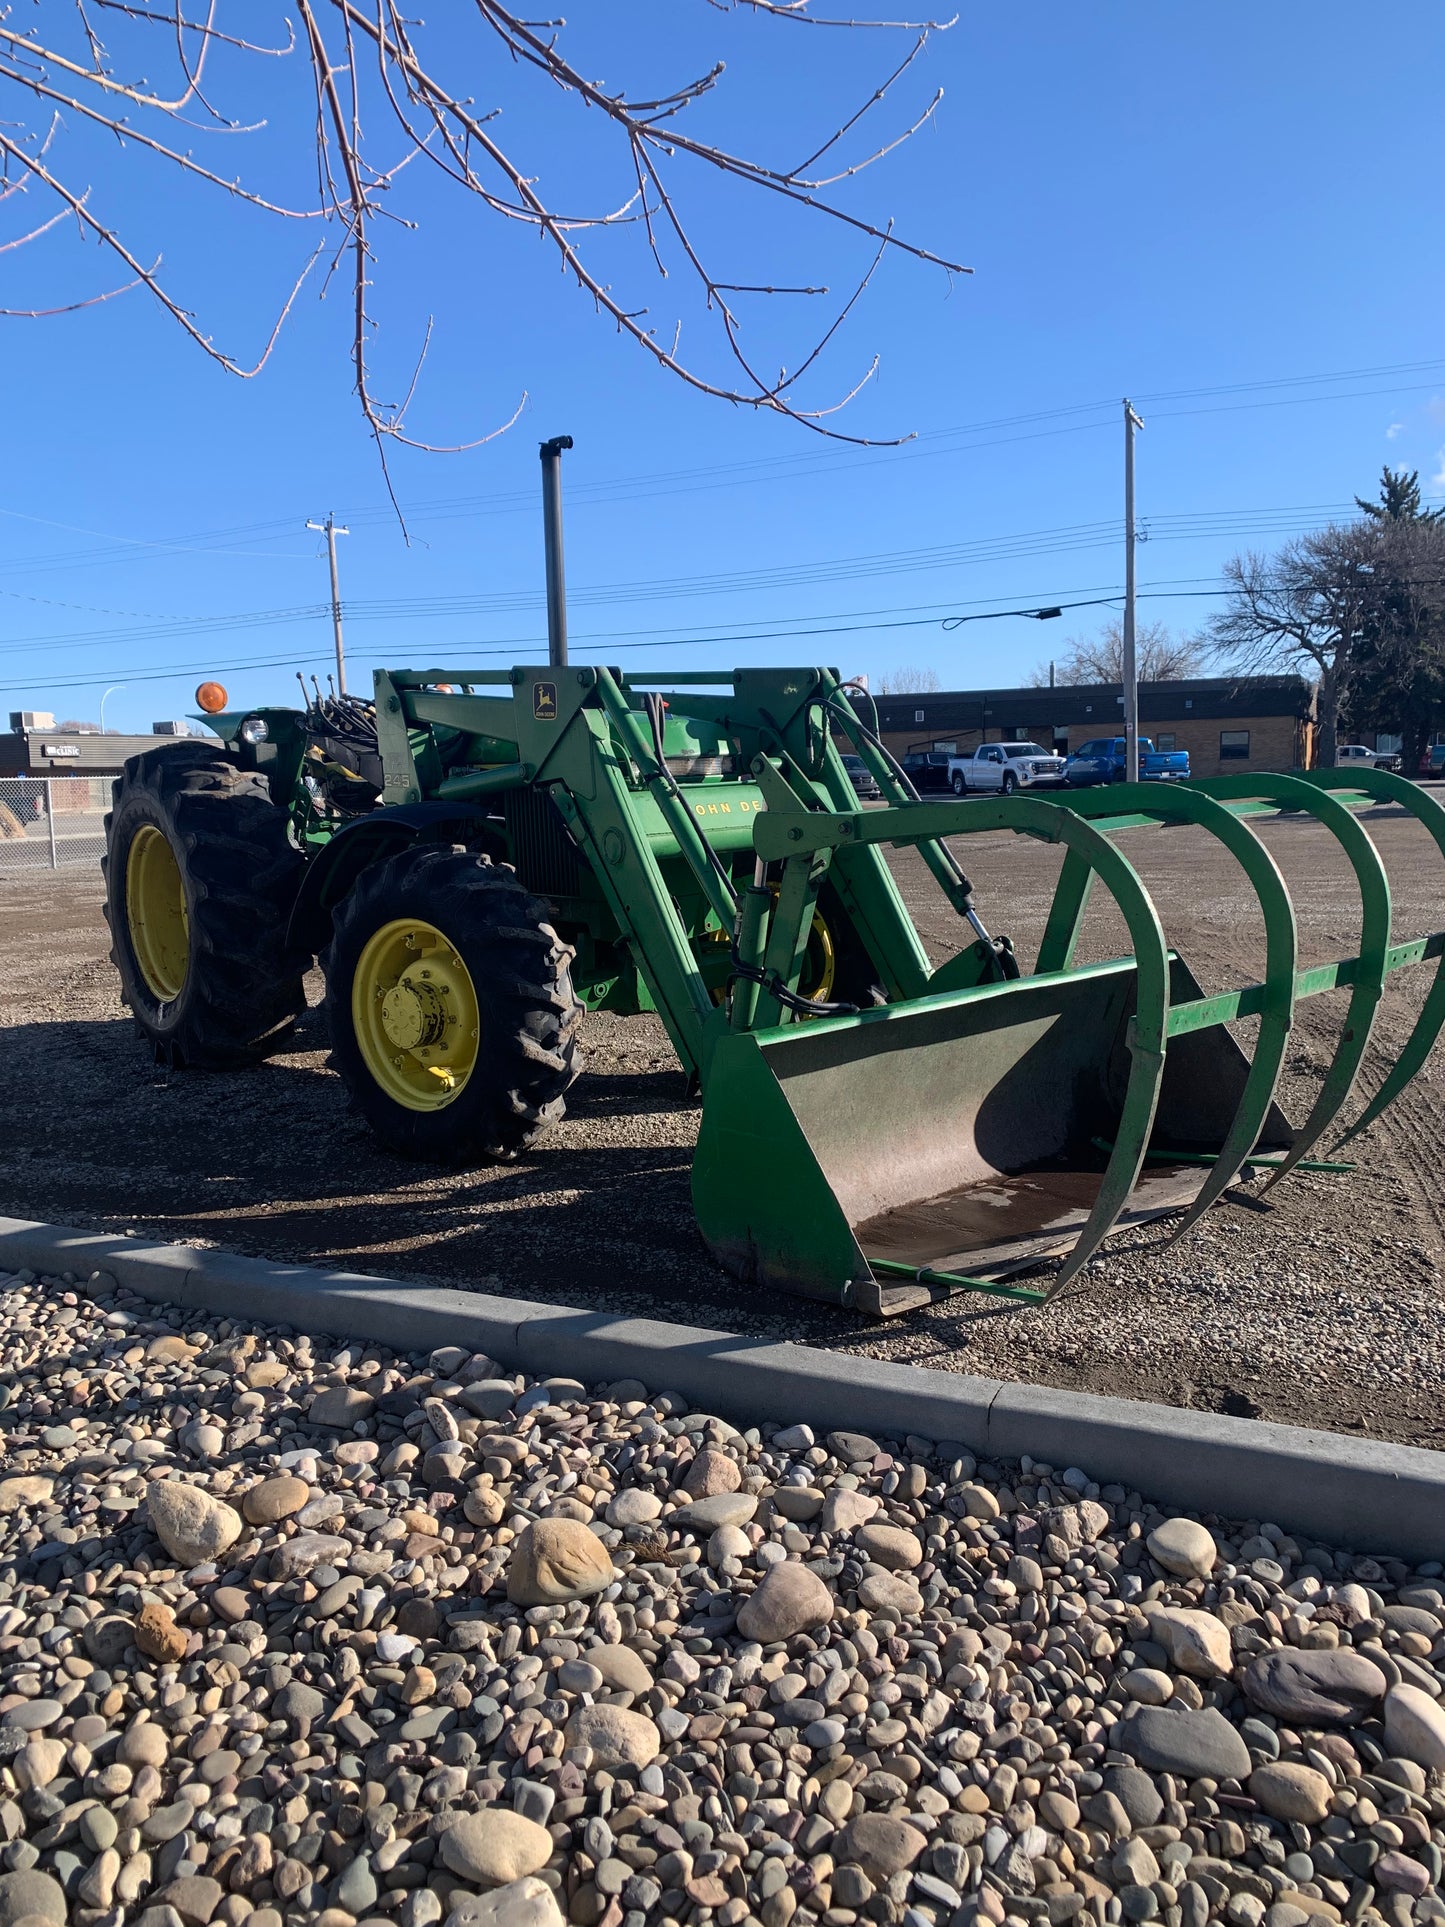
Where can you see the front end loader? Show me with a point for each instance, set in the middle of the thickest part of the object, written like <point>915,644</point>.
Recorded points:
<point>479,857</point>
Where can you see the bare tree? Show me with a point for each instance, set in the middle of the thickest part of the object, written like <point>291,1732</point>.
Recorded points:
<point>908,681</point>
<point>1302,609</point>
<point>389,97</point>
<point>1162,656</point>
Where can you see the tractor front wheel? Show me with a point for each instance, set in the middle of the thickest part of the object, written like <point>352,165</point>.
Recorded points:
<point>454,1024</point>
<point>200,875</point>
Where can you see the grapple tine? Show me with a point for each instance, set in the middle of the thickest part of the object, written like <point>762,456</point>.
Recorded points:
<point>1193,806</point>
<point>1146,1031</point>
<point>1425,808</point>
<point>1368,988</point>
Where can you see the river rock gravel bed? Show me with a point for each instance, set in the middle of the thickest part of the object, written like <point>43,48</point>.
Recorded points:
<point>299,1631</point>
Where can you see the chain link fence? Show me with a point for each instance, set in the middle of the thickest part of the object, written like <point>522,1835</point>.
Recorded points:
<point>52,822</point>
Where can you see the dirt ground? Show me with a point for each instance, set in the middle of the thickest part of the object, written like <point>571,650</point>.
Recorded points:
<point>1320,1305</point>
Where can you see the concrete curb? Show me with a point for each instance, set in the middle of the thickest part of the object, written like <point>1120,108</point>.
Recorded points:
<point>1346,1492</point>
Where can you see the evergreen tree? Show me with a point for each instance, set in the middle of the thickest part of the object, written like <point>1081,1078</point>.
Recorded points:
<point>1399,499</point>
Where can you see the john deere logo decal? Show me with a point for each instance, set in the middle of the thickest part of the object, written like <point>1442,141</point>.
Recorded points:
<point>544,702</point>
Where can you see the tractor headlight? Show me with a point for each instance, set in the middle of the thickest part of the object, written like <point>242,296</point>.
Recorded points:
<point>255,729</point>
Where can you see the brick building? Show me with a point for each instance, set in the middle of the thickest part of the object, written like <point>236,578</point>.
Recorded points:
<point>1225,722</point>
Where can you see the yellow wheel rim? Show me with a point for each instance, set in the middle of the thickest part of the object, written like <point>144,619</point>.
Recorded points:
<point>820,963</point>
<point>155,913</point>
<point>820,959</point>
<point>415,1014</point>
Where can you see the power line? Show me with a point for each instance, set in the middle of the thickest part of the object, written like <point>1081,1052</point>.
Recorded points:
<point>1064,539</point>
<point>728,475</point>
<point>514,650</point>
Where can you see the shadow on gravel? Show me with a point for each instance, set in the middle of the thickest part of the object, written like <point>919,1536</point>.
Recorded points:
<point>274,1161</point>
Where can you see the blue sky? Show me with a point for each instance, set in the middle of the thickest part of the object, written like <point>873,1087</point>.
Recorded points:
<point>1203,209</point>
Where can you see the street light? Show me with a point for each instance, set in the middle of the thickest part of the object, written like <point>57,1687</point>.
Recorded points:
<point>115,686</point>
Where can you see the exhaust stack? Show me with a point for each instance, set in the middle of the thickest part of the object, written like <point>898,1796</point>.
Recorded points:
<point>556,570</point>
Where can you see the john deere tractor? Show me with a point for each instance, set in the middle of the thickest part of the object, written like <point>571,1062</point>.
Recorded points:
<point>480,857</point>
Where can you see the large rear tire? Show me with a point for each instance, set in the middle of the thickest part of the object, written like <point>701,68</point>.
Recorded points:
<point>200,876</point>
<point>454,1024</point>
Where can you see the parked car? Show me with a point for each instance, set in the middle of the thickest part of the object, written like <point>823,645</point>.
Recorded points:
<point>1005,767</point>
<point>861,777</point>
<point>1432,763</point>
<point>927,769</point>
<point>1358,756</point>
<point>1104,761</point>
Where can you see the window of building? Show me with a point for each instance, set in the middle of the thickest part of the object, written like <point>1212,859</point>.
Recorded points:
<point>1389,745</point>
<point>947,749</point>
<point>1189,702</point>
<point>1234,745</point>
<point>1166,740</point>
<point>919,715</point>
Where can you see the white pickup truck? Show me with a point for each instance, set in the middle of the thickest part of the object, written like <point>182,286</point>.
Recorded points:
<point>1358,756</point>
<point>1005,767</point>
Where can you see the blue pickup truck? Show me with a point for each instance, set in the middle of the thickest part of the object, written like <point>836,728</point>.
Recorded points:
<point>1102,761</point>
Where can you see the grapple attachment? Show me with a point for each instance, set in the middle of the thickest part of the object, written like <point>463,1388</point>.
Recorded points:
<point>955,1137</point>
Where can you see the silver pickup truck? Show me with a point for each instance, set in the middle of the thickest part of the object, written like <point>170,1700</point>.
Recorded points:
<point>1005,767</point>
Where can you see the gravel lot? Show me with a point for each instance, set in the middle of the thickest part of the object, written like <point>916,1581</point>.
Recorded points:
<point>1321,1306</point>
<point>328,1638</point>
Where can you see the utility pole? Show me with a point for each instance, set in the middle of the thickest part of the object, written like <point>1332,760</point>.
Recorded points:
<point>332,528</point>
<point>551,453</point>
<point>1131,661</point>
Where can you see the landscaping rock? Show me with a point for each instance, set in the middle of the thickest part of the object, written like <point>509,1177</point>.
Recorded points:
<point>617,1736</point>
<point>495,1848</point>
<point>1415,1726</point>
<point>790,1599</point>
<point>500,1653</point>
<point>1291,1791</point>
<point>193,1526</point>
<point>1183,1546</point>
<point>1198,1743</point>
<point>1318,1688</point>
<point>555,1560</point>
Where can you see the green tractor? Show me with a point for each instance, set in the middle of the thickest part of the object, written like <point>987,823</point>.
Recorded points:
<point>480,857</point>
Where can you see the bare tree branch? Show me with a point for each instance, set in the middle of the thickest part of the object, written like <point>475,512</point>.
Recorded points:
<point>146,277</point>
<point>1162,656</point>
<point>63,63</point>
<point>67,307</point>
<point>796,10</point>
<point>1301,608</point>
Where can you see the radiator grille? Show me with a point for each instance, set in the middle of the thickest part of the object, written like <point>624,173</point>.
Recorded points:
<point>544,853</point>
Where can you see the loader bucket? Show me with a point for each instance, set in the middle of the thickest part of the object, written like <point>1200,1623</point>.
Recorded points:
<point>956,1134</point>
<point>951,1139</point>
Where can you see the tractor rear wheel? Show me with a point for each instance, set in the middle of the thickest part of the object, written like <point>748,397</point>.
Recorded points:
<point>200,876</point>
<point>454,1024</point>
